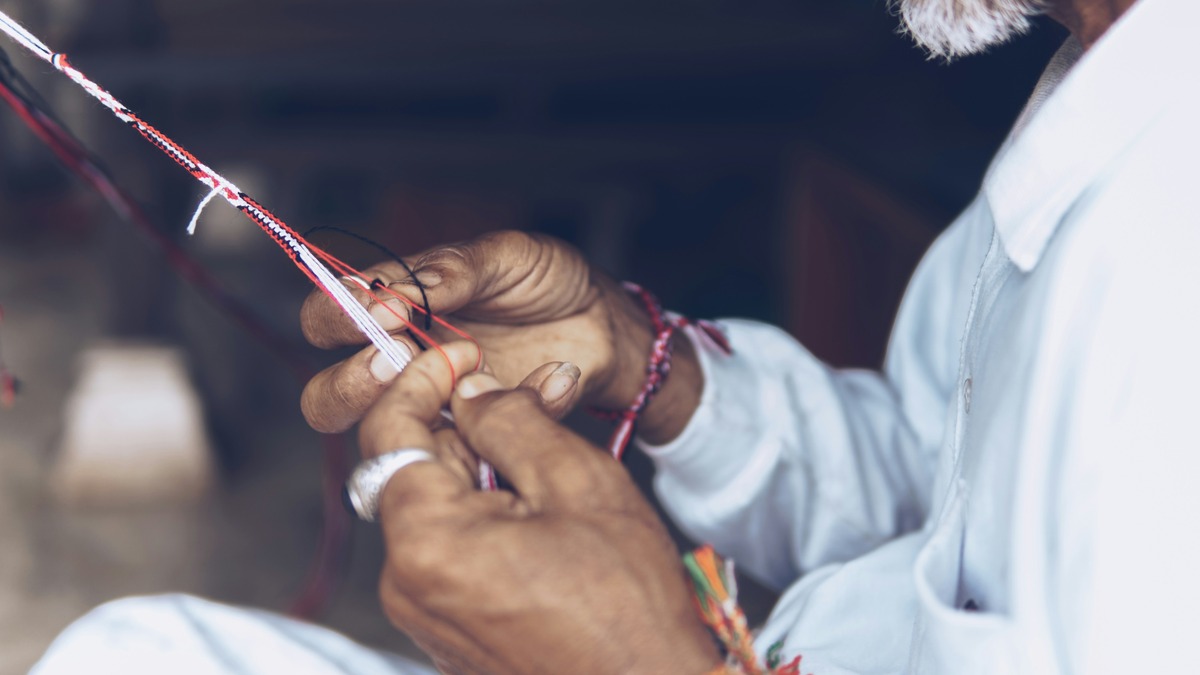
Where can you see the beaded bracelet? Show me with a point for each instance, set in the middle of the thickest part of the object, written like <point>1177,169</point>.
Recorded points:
<point>658,366</point>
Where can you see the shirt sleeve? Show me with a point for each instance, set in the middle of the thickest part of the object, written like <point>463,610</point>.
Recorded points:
<point>786,450</point>
<point>789,464</point>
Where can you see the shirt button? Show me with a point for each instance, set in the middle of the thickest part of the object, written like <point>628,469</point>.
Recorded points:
<point>967,395</point>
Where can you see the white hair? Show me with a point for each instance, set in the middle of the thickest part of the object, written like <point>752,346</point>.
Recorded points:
<point>949,29</point>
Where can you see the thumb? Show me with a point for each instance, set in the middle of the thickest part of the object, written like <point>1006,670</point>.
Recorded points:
<point>543,460</point>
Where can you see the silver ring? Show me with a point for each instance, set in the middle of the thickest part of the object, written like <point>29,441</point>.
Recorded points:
<point>362,491</point>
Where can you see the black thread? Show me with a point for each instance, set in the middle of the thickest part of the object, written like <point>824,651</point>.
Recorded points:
<point>388,252</point>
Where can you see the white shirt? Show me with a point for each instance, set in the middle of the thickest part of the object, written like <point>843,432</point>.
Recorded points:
<point>1032,443</point>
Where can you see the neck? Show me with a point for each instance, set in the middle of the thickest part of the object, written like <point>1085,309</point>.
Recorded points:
<point>1088,19</point>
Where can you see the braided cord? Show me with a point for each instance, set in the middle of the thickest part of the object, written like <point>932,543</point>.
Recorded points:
<point>288,239</point>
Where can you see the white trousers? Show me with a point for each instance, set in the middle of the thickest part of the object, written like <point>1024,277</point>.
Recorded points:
<point>188,635</point>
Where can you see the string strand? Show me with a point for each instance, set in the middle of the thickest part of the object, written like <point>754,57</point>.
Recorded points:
<point>386,251</point>
<point>295,245</point>
<point>24,37</point>
<point>329,560</point>
<point>191,228</point>
<point>309,259</point>
<point>714,588</point>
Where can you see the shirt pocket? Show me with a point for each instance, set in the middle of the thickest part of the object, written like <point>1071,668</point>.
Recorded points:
<point>947,639</point>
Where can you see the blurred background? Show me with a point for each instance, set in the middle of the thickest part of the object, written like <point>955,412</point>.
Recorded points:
<point>785,160</point>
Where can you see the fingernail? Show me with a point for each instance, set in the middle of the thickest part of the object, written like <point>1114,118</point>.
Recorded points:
<point>386,314</point>
<point>428,278</point>
<point>477,383</point>
<point>382,368</point>
<point>355,282</point>
<point>559,382</point>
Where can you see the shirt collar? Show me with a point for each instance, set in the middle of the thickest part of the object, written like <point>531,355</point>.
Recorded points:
<point>1078,122</point>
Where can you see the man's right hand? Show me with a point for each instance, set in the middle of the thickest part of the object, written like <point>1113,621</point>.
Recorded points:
<point>528,300</point>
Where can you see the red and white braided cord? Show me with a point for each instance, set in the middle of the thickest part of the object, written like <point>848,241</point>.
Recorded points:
<point>288,239</point>
<point>658,366</point>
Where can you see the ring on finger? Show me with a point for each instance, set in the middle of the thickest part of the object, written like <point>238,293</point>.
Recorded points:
<point>363,490</point>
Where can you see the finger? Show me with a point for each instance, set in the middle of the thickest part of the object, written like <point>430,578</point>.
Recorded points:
<point>507,276</point>
<point>557,384</point>
<point>453,452</point>
<point>405,411</point>
<point>337,397</point>
<point>326,325</point>
<point>404,417</point>
<point>510,429</point>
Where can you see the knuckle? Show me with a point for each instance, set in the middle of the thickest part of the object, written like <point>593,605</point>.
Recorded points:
<point>313,411</point>
<point>509,239</point>
<point>519,399</point>
<point>420,386</point>
<point>538,244</point>
<point>612,481</point>
<point>350,390</point>
<point>378,431</point>
<point>420,560</point>
<point>322,322</point>
<point>510,407</point>
<point>451,254</point>
<point>391,598</point>
<point>427,374</point>
<point>371,429</point>
<point>312,320</point>
<point>516,247</point>
<point>336,395</point>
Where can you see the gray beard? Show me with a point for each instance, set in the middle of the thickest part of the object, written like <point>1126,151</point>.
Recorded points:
<point>948,29</point>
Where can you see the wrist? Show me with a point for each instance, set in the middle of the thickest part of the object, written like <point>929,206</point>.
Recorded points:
<point>668,413</point>
<point>635,334</point>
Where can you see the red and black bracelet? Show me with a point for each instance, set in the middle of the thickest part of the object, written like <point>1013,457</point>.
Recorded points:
<point>658,366</point>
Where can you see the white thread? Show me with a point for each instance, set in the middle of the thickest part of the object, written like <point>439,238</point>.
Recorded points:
<point>191,228</point>
<point>487,476</point>
<point>24,37</point>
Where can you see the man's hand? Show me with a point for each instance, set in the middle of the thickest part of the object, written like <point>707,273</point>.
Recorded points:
<point>528,300</point>
<point>570,573</point>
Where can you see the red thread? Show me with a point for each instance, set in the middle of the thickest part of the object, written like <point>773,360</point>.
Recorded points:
<point>438,320</point>
<point>346,270</point>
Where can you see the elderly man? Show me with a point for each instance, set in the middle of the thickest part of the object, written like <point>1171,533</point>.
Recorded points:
<point>1011,494</point>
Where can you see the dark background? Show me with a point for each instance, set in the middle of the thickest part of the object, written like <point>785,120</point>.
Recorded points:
<point>675,141</point>
<point>785,160</point>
